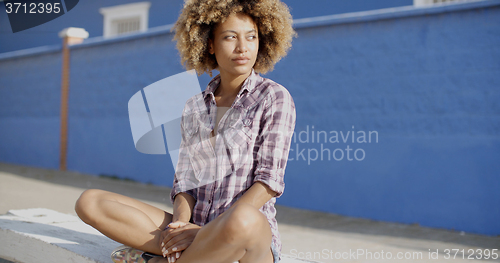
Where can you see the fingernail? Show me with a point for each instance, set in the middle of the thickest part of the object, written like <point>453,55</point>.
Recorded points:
<point>177,254</point>
<point>162,244</point>
<point>174,249</point>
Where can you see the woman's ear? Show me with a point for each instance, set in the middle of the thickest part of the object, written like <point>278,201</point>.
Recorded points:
<point>210,47</point>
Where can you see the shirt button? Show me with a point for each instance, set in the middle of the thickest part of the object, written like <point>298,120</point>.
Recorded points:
<point>247,122</point>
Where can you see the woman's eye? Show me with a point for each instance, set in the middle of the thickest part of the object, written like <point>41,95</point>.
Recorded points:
<point>229,37</point>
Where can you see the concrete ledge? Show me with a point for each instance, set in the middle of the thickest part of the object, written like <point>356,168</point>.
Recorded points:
<point>43,235</point>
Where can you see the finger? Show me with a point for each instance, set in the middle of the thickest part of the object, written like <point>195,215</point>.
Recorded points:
<point>174,225</point>
<point>167,255</point>
<point>177,224</point>
<point>170,248</point>
<point>181,241</point>
<point>179,248</point>
<point>174,256</point>
<point>177,251</point>
<point>163,234</point>
<point>171,234</point>
<point>176,244</point>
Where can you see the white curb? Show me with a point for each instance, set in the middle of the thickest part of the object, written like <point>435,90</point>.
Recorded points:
<point>46,236</point>
<point>43,235</point>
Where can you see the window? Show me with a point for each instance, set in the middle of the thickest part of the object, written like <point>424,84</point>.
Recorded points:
<point>126,25</point>
<point>432,2</point>
<point>123,19</point>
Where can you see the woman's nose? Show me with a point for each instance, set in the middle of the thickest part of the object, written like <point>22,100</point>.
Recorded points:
<point>241,46</point>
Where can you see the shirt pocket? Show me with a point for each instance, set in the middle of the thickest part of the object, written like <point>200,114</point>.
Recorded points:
<point>194,146</point>
<point>192,133</point>
<point>238,140</point>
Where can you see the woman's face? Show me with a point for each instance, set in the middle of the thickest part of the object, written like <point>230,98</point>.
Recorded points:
<point>235,44</point>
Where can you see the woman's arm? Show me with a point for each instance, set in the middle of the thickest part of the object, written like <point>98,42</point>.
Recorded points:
<point>183,207</point>
<point>257,195</point>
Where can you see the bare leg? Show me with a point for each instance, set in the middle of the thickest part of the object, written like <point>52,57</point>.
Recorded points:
<point>242,234</point>
<point>123,219</point>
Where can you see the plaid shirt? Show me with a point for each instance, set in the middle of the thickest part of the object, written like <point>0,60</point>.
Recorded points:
<point>252,144</point>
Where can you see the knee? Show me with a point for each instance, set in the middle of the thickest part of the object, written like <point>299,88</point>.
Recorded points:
<point>243,222</point>
<point>87,203</point>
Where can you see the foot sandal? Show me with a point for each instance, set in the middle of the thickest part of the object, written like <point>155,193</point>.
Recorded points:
<point>126,254</point>
<point>147,256</point>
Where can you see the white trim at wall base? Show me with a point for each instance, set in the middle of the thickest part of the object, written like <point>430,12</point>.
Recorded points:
<point>434,2</point>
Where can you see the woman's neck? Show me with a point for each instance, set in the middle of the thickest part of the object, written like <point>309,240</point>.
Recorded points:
<point>230,85</point>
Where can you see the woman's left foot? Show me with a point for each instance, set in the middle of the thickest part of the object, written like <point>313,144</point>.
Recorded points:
<point>125,254</point>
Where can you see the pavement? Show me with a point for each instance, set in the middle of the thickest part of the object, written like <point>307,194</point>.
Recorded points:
<point>314,236</point>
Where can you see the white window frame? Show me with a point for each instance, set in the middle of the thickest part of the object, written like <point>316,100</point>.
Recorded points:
<point>431,2</point>
<point>122,12</point>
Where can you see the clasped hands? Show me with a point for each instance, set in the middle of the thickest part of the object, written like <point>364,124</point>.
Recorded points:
<point>176,238</point>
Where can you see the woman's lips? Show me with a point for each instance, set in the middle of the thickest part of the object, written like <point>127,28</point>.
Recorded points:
<point>241,61</point>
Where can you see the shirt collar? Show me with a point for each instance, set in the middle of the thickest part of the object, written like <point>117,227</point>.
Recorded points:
<point>249,84</point>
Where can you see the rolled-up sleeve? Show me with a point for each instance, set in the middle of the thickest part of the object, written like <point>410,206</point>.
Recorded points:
<point>183,171</point>
<point>278,124</point>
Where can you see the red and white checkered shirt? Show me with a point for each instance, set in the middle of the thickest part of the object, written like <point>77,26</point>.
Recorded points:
<point>252,144</point>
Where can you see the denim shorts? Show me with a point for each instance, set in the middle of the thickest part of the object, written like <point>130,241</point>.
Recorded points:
<point>276,254</point>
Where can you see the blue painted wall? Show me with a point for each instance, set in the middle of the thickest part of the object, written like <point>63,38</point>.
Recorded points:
<point>429,85</point>
<point>120,70</point>
<point>29,109</point>
<point>86,15</point>
<point>162,12</point>
<point>425,81</point>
